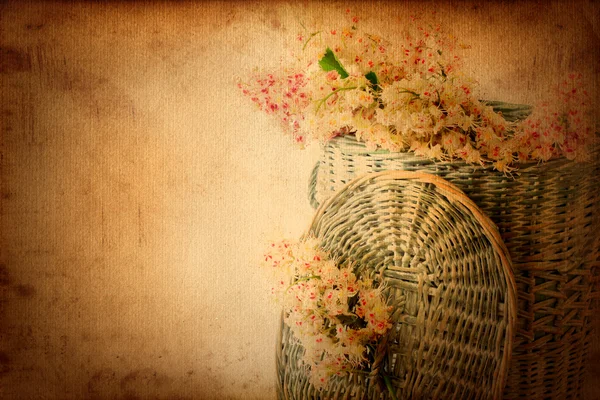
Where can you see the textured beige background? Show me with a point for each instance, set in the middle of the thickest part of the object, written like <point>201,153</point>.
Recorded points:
<point>137,184</point>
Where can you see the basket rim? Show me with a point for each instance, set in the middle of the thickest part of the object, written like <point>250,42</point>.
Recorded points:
<point>349,141</point>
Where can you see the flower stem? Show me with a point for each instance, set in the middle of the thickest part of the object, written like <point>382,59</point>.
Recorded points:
<point>324,99</point>
<point>308,40</point>
<point>389,386</point>
<point>386,379</point>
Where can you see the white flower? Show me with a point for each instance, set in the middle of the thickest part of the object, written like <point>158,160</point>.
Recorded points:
<point>317,310</point>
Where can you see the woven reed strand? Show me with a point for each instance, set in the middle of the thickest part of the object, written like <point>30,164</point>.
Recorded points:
<point>446,273</point>
<point>548,217</point>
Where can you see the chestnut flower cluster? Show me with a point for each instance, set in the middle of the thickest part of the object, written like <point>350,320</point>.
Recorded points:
<point>337,317</point>
<point>413,96</point>
<point>561,127</point>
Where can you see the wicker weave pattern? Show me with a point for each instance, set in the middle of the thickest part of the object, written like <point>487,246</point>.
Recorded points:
<point>448,276</point>
<point>548,218</point>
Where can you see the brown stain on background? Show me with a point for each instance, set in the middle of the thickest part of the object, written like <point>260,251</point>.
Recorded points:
<point>11,60</point>
<point>129,206</point>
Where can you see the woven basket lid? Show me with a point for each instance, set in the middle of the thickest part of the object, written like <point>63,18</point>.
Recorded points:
<point>448,277</point>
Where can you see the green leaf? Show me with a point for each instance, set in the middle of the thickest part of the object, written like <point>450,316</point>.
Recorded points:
<point>352,301</point>
<point>371,77</point>
<point>347,319</point>
<point>352,321</point>
<point>329,62</point>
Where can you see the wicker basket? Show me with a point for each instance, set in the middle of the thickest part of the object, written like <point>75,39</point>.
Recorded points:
<point>448,276</point>
<point>548,217</point>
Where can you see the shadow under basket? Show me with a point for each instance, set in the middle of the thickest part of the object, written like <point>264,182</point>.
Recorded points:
<point>447,276</point>
<point>548,216</point>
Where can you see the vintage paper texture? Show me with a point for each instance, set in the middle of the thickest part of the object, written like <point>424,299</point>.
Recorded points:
<point>137,184</point>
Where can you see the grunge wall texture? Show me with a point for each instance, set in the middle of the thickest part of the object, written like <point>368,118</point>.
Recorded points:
<point>137,184</point>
